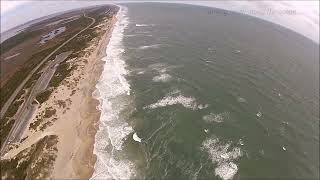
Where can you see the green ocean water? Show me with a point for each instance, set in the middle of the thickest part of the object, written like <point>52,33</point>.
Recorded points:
<point>219,96</point>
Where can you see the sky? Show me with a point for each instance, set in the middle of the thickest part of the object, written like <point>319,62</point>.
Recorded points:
<point>299,16</point>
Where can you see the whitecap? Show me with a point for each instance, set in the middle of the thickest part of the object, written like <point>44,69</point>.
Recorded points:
<point>141,25</point>
<point>143,34</point>
<point>241,100</point>
<point>241,142</point>
<point>112,92</point>
<point>162,67</point>
<point>223,156</point>
<point>141,72</point>
<point>153,46</point>
<point>162,78</point>
<point>201,106</point>
<point>136,137</point>
<point>188,102</point>
<point>226,170</point>
<point>175,98</point>
<point>218,118</point>
<point>259,114</point>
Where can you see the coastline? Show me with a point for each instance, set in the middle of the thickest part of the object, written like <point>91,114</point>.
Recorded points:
<point>84,161</point>
<point>75,114</point>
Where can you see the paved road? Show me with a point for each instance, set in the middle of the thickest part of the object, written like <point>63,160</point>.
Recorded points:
<point>5,107</point>
<point>22,118</point>
<point>28,109</point>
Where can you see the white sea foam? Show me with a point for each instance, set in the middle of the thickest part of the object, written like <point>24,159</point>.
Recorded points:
<point>188,102</point>
<point>175,98</point>
<point>223,156</point>
<point>162,78</point>
<point>241,100</point>
<point>134,35</point>
<point>153,46</point>
<point>201,106</point>
<point>112,91</point>
<point>218,118</point>
<point>162,69</point>
<point>159,67</point>
<point>143,25</point>
<point>226,170</point>
<point>136,137</point>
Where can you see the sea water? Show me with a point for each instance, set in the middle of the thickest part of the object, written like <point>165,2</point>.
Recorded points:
<point>188,94</point>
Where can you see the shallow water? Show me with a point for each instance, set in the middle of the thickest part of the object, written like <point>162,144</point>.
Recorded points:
<point>208,95</point>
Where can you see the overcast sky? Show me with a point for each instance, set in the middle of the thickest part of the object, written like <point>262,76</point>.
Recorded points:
<point>303,17</point>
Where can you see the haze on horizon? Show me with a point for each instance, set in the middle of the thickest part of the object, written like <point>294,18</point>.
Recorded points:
<point>304,19</point>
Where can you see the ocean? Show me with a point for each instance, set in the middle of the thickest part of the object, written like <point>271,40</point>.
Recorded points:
<point>192,92</point>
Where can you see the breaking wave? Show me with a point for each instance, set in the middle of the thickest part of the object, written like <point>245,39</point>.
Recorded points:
<point>112,91</point>
<point>162,78</point>
<point>223,156</point>
<point>144,25</point>
<point>175,98</point>
<point>150,46</point>
<point>218,118</point>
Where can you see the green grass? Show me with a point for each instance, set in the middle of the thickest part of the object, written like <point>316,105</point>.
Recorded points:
<point>31,162</point>
<point>17,39</point>
<point>44,96</point>
<point>35,124</point>
<point>5,127</point>
<point>13,108</point>
<point>18,77</point>
<point>61,73</point>
<point>32,80</point>
<point>77,45</point>
<point>49,112</point>
<point>36,58</point>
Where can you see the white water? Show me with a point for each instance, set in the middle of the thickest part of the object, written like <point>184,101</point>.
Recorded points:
<point>175,98</point>
<point>187,102</point>
<point>113,92</point>
<point>141,25</point>
<point>136,137</point>
<point>153,46</point>
<point>218,118</point>
<point>222,156</point>
<point>162,78</point>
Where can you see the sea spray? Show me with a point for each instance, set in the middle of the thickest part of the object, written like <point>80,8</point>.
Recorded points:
<point>112,91</point>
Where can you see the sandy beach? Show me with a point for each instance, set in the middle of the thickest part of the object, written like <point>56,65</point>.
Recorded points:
<point>75,116</point>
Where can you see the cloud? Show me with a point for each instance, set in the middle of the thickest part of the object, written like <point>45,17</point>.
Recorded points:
<point>304,20</point>
<point>299,16</point>
<point>6,6</point>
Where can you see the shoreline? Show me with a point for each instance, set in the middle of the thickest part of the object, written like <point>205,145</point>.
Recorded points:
<point>89,156</point>
<point>75,116</point>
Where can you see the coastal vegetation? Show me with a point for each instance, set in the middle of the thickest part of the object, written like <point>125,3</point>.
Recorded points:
<point>24,71</point>
<point>77,47</point>
<point>44,96</point>
<point>41,118</point>
<point>17,78</point>
<point>17,39</point>
<point>32,163</point>
<point>35,161</point>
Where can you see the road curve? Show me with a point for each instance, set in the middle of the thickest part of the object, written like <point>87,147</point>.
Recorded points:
<point>5,107</point>
<point>19,88</point>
